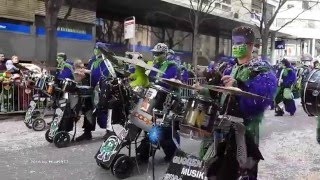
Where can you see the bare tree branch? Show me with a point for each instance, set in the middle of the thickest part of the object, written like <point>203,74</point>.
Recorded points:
<point>170,33</point>
<point>192,7</point>
<point>316,3</point>
<point>210,8</point>
<point>190,19</point>
<point>263,17</point>
<point>281,3</point>
<point>245,7</point>
<point>70,4</point>
<point>156,33</point>
<point>208,11</point>
<point>182,39</point>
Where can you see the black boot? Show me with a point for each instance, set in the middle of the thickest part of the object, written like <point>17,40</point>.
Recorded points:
<point>106,136</point>
<point>85,136</point>
<point>143,151</point>
<point>279,111</point>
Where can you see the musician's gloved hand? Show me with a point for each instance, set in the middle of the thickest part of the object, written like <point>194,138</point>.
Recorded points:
<point>229,81</point>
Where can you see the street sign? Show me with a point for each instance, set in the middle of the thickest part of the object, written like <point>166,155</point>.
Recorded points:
<point>280,44</point>
<point>130,28</point>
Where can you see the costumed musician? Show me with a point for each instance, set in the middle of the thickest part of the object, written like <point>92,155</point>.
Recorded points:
<point>286,79</point>
<point>250,75</point>
<point>170,69</point>
<point>98,69</point>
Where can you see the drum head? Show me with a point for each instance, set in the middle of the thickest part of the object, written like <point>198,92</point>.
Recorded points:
<point>199,117</point>
<point>311,94</point>
<point>140,118</point>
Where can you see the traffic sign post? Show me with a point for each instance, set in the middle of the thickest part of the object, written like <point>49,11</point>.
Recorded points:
<point>130,30</point>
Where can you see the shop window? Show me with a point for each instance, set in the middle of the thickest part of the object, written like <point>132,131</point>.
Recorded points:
<point>66,26</point>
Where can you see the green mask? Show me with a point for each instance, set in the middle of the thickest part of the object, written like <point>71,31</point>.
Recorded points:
<point>239,51</point>
<point>60,61</point>
<point>96,52</point>
<point>158,59</point>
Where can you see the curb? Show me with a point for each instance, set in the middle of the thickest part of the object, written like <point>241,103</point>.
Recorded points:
<point>14,117</point>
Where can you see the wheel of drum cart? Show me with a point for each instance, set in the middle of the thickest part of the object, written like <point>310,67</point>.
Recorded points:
<point>123,167</point>
<point>48,138</point>
<point>102,165</point>
<point>28,125</point>
<point>61,139</point>
<point>114,160</point>
<point>39,124</point>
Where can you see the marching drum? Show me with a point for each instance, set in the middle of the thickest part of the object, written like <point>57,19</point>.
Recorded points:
<point>69,86</point>
<point>155,99</point>
<point>85,91</point>
<point>199,117</point>
<point>311,94</point>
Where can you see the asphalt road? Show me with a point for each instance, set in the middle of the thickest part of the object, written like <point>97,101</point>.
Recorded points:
<point>287,143</point>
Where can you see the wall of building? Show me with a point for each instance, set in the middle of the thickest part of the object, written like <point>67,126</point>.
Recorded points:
<point>305,27</point>
<point>31,47</point>
<point>22,30</point>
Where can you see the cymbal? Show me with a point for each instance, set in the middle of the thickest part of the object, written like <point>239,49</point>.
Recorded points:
<point>234,91</point>
<point>138,62</point>
<point>177,84</point>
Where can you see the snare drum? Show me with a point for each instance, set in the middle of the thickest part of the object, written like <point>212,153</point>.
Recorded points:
<point>199,117</point>
<point>311,94</point>
<point>69,86</point>
<point>85,91</point>
<point>155,98</point>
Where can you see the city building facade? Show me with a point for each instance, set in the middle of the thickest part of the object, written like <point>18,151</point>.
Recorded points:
<point>22,30</point>
<point>304,30</point>
<point>214,39</point>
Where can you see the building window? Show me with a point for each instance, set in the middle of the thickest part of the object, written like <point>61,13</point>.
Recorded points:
<point>66,26</point>
<point>305,5</point>
<point>223,5</point>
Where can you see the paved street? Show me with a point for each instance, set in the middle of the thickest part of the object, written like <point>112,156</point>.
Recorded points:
<point>287,143</point>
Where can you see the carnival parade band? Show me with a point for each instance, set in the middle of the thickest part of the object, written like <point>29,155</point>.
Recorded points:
<point>241,74</point>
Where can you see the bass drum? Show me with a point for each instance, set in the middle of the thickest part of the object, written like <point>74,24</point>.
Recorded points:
<point>311,94</point>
